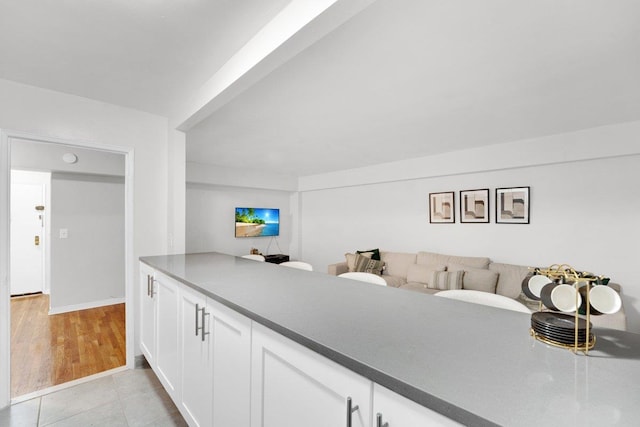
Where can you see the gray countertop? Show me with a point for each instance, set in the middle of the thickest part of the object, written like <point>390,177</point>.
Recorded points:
<point>475,364</point>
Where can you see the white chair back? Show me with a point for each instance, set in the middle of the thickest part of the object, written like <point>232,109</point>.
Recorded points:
<point>297,264</point>
<point>254,257</point>
<point>484,298</point>
<point>364,277</point>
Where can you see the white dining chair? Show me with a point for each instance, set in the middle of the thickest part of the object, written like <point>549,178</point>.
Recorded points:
<point>254,257</point>
<point>364,277</point>
<point>484,298</point>
<point>300,265</point>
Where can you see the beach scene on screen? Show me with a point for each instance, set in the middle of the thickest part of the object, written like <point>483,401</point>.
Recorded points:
<point>257,222</point>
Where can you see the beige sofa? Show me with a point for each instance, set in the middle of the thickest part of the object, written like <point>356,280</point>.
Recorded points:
<point>417,272</point>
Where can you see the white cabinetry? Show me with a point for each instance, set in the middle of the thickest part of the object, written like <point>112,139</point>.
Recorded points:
<point>215,362</point>
<point>231,337</point>
<point>221,369</point>
<point>199,349</point>
<point>392,410</point>
<point>147,315</point>
<point>196,359</point>
<point>167,362</point>
<point>293,386</point>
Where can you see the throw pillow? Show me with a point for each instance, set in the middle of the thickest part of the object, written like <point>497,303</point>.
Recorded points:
<point>445,280</point>
<point>373,253</point>
<point>477,279</point>
<point>422,273</point>
<point>351,260</point>
<point>368,265</point>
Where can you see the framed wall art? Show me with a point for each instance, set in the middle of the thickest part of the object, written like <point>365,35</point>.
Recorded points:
<point>512,205</point>
<point>442,208</point>
<point>474,206</point>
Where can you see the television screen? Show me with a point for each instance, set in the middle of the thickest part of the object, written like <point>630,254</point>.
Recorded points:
<point>257,222</point>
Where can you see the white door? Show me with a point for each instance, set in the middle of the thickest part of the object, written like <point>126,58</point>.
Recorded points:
<point>197,384</point>
<point>392,410</point>
<point>27,238</point>
<point>167,344</point>
<point>148,314</point>
<point>231,338</point>
<point>292,386</point>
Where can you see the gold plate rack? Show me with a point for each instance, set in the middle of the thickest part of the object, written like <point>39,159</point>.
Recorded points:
<point>564,273</point>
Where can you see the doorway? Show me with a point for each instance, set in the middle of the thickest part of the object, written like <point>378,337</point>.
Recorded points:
<point>29,240</point>
<point>70,307</point>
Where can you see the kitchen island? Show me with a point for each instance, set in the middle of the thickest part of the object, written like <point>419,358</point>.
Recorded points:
<point>472,364</point>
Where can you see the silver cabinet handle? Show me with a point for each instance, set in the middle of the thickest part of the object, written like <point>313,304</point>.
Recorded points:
<point>150,280</point>
<point>197,310</point>
<point>204,331</point>
<point>379,421</point>
<point>350,410</point>
<point>153,287</point>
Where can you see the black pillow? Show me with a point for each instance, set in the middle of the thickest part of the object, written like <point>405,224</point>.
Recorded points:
<point>375,253</point>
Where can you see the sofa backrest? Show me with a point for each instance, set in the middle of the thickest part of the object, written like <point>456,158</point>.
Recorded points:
<point>397,263</point>
<point>432,258</point>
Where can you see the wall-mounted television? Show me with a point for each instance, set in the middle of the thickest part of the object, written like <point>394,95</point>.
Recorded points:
<point>257,222</point>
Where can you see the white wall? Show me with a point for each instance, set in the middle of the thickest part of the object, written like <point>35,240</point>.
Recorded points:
<point>34,155</point>
<point>584,212</point>
<point>70,118</point>
<point>211,219</point>
<point>203,173</point>
<point>176,178</point>
<point>87,267</point>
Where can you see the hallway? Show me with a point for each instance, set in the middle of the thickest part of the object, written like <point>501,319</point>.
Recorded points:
<point>51,350</point>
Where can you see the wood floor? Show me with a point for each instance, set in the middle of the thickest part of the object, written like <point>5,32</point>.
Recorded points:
<point>50,350</point>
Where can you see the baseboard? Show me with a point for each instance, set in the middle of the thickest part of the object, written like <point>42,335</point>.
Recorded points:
<point>140,362</point>
<point>86,305</point>
<point>68,384</point>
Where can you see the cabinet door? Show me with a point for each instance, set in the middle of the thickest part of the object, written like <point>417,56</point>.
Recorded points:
<point>196,360</point>
<point>398,411</point>
<point>167,333</point>
<point>293,386</point>
<point>231,337</point>
<point>147,315</point>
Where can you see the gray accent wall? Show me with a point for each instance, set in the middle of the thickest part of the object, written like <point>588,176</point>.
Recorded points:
<point>87,267</point>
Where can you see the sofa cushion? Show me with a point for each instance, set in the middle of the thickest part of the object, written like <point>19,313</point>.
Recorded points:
<point>510,279</point>
<point>372,253</point>
<point>394,281</point>
<point>477,279</point>
<point>422,273</point>
<point>419,287</point>
<point>444,280</point>
<point>432,258</point>
<point>367,265</point>
<point>397,263</point>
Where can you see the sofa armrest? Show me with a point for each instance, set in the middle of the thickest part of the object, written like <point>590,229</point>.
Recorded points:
<point>338,268</point>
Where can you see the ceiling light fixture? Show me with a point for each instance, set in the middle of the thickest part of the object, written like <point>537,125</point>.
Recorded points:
<point>70,158</point>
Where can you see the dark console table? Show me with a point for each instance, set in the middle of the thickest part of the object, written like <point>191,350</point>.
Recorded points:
<point>276,258</point>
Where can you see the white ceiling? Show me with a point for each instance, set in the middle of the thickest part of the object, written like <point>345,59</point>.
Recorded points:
<point>403,78</point>
<point>142,54</point>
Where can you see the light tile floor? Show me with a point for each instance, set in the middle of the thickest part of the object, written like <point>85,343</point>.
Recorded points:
<point>130,398</point>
